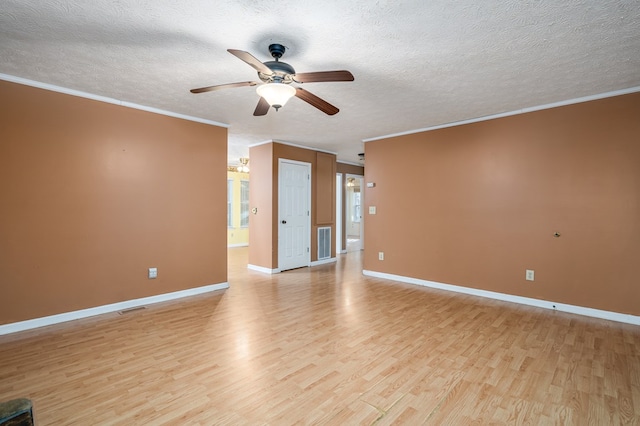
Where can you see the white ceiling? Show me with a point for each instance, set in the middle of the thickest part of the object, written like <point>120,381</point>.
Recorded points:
<point>416,63</point>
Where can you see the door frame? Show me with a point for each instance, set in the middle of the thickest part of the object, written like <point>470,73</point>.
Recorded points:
<point>339,213</point>
<point>360,179</point>
<point>307,234</point>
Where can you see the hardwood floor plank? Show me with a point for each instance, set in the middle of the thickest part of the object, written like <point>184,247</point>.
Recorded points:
<point>326,345</point>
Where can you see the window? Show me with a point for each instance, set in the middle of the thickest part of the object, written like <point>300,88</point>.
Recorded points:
<point>244,203</point>
<point>230,203</point>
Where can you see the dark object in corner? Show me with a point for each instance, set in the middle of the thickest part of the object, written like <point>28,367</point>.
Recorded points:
<point>17,412</point>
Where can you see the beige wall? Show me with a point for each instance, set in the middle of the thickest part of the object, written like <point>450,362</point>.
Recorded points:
<point>92,194</point>
<point>261,239</point>
<point>263,195</point>
<point>483,201</point>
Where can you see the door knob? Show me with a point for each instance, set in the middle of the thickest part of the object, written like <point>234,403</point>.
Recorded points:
<point>284,222</point>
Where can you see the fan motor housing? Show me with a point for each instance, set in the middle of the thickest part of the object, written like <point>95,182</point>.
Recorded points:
<point>280,67</point>
<point>281,71</point>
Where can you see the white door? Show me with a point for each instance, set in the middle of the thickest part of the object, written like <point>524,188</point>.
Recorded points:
<point>294,214</point>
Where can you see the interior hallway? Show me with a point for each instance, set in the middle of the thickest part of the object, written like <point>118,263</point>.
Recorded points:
<point>326,345</point>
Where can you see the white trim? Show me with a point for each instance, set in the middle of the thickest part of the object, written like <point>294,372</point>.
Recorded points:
<point>230,188</point>
<point>580,310</point>
<point>238,245</point>
<point>343,252</point>
<point>263,269</point>
<point>307,237</point>
<point>294,145</point>
<point>105,99</point>
<point>300,163</point>
<point>261,143</point>
<point>323,261</point>
<point>362,205</point>
<point>339,211</point>
<point>104,309</point>
<point>510,113</point>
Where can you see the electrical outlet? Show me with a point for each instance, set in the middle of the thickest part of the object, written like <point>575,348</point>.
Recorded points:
<point>381,255</point>
<point>153,273</point>
<point>529,275</point>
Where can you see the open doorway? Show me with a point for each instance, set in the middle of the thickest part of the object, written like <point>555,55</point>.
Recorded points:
<point>354,202</point>
<point>238,204</point>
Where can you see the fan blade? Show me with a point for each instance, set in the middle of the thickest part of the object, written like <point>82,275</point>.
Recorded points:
<point>315,77</point>
<point>251,60</point>
<point>315,101</point>
<point>223,86</point>
<point>262,108</point>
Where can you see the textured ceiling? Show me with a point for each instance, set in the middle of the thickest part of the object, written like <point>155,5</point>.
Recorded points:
<point>416,63</point>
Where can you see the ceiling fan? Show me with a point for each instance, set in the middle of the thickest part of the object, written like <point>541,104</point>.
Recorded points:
<point>277,78</point>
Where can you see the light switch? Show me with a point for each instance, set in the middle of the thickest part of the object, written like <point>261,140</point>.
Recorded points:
<point>372,209</point>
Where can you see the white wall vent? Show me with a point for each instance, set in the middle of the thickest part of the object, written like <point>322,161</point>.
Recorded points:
<point>324,242</point>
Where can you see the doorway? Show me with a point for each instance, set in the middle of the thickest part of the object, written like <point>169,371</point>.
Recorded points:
<point>354,204</point>
<point>294,214</point>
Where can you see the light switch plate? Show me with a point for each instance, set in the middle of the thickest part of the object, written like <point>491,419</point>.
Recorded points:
<point>372,209</point>
<point>153,273</point>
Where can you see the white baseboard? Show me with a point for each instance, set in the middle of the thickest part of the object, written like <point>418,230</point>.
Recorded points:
<point>343,252</point>
<point>238,245</point>
<point>277,270</point>
<point>263,269</point>
<point>113,307</point>
<point>323,261</point>
<point>580,310</point>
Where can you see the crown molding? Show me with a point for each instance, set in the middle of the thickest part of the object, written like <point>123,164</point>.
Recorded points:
<point>510,113</point>
<point>105,99</point>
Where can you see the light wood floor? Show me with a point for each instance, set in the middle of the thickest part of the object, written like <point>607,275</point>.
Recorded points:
<point>327,346</point>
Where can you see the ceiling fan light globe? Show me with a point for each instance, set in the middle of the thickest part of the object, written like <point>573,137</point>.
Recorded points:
<point>276,94</point>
